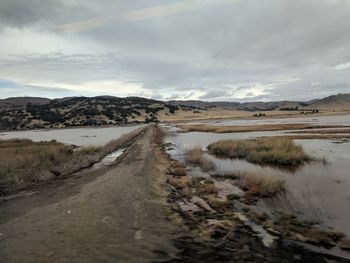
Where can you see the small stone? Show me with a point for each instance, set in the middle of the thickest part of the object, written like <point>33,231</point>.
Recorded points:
<point>69,212</point>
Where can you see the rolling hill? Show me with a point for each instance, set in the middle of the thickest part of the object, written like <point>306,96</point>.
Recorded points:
<point>81,111</point>
<point>31,112</point>
<point>336,102</point>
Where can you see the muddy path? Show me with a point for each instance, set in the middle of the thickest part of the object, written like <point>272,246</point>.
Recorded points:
<point>114,214</point>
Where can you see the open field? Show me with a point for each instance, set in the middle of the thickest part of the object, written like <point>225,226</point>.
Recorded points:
<point>275,150</point>
<point>252,128</point>
<point>24,163</point>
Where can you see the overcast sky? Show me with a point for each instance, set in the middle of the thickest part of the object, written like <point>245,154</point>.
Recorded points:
<point>236,50</point>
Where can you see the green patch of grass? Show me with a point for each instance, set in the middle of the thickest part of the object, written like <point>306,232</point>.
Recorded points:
<point>274,150</point>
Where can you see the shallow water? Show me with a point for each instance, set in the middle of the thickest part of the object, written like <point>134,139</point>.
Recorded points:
<point>76,136</point>
<point>315,191</point>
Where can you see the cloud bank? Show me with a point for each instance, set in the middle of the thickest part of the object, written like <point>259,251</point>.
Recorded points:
<point>210,49</point>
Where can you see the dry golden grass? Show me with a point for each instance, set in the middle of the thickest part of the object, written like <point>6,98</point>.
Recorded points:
<point>24,160</point>
<point>272,150</point>
<point>207,189</point>
<point>180,182</point>
<point>90,149</point>
<point>316,136</point>
<point>262,185</point>
<point>24,163</point>
<point>252,128</point>
<point>179,171</point>
<point>334,131</point>
<point>195,156</point>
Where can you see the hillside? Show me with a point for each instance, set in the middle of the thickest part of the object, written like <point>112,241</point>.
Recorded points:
<point>248,106</point>
<point>83,111</point>
<point>32,113</point>
<point>336,102</point>
<point>20,102</point>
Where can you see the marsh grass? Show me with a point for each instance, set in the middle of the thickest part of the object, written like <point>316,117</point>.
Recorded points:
<point>252,128</point>
<point>261,185</point>
<point>272,150</point>
<point>196,157</point>
<point>24,162</point>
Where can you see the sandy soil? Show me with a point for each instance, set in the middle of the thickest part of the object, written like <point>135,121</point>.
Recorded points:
<point>115,214</point>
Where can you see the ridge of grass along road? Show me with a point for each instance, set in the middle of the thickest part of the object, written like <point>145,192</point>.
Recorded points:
<point>24,163</point>
<point>272,151</point>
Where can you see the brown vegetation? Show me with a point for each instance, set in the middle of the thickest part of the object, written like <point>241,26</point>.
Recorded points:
<point>272,150</point>
<point>24,162</point>
<point>180,182</point>
<point>316,136</point>
<point>261,185</point>
<point>195,156</point>
<point>252,128</point>
<point>327,131</point>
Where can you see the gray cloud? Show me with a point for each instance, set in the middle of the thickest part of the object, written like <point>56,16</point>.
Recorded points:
<point>271,51</point>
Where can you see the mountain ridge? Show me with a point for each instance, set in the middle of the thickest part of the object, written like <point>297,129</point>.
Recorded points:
<point>34,112</point>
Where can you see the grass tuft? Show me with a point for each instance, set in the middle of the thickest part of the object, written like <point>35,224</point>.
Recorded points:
<point>261,185</point>
<point>195,156</point>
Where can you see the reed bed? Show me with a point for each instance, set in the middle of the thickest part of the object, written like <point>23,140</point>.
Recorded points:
<point>271,150</point>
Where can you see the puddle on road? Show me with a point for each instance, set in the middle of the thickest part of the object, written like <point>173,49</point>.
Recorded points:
<point>106,161</point>
<point>110,158</point>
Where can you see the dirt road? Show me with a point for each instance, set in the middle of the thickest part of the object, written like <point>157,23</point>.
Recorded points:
<point>115,214</point>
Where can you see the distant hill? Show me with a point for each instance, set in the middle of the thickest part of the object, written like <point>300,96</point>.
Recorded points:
<point>205,104</point>
<point>340,101</point>
<point>19,102</point>
<point>249,106</point>
<point>81,111</point>
<point>31,112</point>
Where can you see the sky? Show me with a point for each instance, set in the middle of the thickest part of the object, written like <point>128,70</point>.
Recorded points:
<point>212,50</point>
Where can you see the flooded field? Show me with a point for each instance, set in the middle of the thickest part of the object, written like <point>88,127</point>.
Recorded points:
<point>317,191</point>
<point>76,136</point>
<point>316,120</point>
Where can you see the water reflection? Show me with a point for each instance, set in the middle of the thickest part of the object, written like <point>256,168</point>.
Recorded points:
<point>76,136</point>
